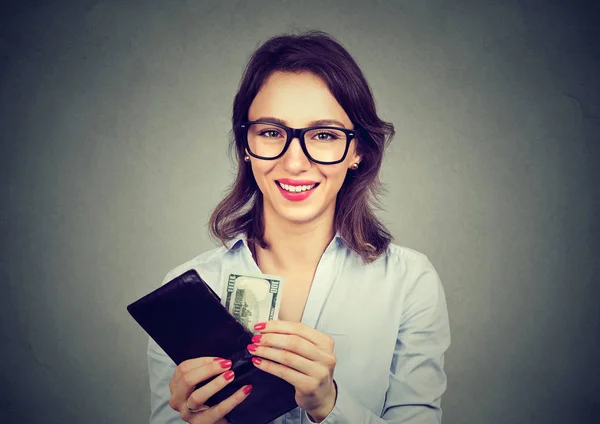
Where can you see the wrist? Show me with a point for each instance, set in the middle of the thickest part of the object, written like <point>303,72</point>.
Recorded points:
<point>319,414</point>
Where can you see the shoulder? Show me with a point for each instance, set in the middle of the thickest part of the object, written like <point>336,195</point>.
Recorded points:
<point>421,283</point>
<point>409,272</point>
<point>397,272</point>
<point>408,257</point>
<point>404,260</point>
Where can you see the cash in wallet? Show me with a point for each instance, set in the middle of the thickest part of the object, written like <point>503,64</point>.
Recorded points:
<point>186,319</point>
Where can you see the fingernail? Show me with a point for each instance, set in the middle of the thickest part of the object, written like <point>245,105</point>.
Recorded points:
<point>248,389</point>
<point>252,347</point>
<point>225,364</point>
<point>256,360</point>
<point>218,359</point>
<point>256,339</point>
<point>260,326</point>
<point>228,375</point>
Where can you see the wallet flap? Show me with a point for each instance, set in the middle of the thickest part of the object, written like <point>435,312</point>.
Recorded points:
<point>212,330</point>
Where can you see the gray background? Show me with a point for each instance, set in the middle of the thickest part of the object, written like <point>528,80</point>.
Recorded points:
<point>114,123</point>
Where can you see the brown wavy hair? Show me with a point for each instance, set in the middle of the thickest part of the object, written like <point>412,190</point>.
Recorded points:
<point>317,52</point>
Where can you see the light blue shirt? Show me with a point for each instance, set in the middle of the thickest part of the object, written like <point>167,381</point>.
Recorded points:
<point>388,319</point>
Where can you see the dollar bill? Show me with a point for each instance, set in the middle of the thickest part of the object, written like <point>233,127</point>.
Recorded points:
<point>252,298</point>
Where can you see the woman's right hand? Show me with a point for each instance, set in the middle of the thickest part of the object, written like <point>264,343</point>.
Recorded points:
<point>193,371</point>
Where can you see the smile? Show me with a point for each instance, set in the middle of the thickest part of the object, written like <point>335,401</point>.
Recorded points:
<point>296,189</point>
<point>296,193</point>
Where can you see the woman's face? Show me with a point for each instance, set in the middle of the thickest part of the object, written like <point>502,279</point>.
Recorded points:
<point>297,101</point>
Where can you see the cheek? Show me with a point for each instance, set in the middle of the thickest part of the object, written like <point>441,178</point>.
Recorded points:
<point>260,171</point>
<point>336,177</point>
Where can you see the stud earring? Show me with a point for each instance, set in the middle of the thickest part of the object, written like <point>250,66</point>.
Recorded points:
<point>247,158</point>
<point>354,166</point>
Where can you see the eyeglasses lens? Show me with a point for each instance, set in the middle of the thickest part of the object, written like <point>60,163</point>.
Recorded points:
<point>323,144</point>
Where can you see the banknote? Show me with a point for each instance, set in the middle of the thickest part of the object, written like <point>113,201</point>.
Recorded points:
<point>252,298</point>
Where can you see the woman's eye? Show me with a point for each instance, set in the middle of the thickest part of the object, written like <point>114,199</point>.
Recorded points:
<point>325,136</point>
<point>270,133</point>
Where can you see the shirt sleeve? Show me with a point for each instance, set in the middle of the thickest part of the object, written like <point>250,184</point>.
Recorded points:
<point>160,371</point>
<point>416,379</point>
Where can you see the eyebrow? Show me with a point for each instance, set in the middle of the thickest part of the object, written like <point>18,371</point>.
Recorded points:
<point>316,123</point>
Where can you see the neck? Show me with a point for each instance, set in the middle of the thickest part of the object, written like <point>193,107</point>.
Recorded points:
<point>295,245</point>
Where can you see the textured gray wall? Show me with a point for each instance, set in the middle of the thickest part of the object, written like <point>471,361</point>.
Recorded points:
<point>114,122</point>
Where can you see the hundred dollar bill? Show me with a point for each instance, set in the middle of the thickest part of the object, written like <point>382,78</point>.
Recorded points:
<point>252,298</point>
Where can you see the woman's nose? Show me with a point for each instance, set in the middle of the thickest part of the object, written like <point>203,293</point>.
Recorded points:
<point>294,158</point>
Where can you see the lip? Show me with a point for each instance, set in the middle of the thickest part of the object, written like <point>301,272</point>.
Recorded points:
<point>287,181</point>
<point>295,196</point>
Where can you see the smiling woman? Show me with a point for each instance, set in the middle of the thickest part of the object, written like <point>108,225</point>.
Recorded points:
<point>363,325</point>
<point>309,81</point>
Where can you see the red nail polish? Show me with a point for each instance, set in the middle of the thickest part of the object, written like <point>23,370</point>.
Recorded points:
<point>247,389</point>
<point>256,360</point>
<point>256,339</point>
<point>228,375</point>
<point>260,326</point>
<point>252,347</point>
<point>225,364</point>
<point>218,359</point>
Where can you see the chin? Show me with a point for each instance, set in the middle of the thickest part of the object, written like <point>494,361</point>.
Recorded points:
<point>299,218</point>
<point>298,212</point>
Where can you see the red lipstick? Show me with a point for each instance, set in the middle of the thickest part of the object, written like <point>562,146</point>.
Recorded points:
<point>296,196</point>
<point>296,182</point>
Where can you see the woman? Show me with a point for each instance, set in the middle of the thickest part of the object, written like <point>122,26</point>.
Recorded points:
<point>363,324</point>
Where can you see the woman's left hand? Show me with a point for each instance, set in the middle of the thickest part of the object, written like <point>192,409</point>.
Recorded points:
<point>303,357</point>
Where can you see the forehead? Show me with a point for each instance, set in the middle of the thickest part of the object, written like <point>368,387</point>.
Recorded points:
<point>296,99</point>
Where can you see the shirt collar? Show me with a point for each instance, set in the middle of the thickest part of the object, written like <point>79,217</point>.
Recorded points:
<point>231,244</point>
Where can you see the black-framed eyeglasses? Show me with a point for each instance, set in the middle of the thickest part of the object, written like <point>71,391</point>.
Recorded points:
<point>323,144</point>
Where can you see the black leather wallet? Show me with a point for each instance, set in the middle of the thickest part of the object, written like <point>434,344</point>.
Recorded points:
<point>186,319</point>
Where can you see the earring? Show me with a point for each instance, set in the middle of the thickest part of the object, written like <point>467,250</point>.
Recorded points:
<point>247,158</point>
<point>354,166</point>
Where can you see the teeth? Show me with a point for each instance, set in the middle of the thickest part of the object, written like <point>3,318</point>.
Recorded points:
<point>296,189</point>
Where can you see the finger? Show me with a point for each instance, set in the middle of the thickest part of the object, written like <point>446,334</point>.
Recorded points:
<point>285,357</point>
<point>300,381</point>
<point>322,340</point>
<point>184,368</point>
<point>224,407</point>
<point>292,343</point>
<point>190,378</point>
<point>200,396</point>
<point>190,364</point>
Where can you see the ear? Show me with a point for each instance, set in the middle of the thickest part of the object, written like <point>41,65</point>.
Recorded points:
<point>356,155</point>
